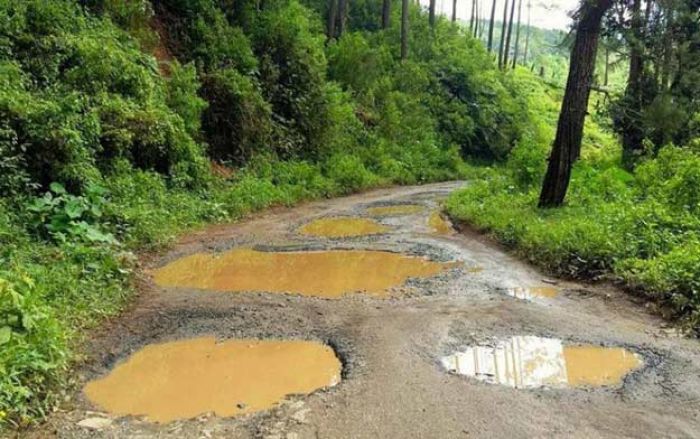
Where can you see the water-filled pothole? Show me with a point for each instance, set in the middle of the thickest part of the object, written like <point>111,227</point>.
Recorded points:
<point>395,210</point>
<point>529,293</point>
<point>529,361</point>
<point>439,224</point>
<point>342,227</point>
<point>184,379</point>
<point>329,274</point>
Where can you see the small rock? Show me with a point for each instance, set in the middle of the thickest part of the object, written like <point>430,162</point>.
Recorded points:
<point>300,416</point>
<point>95,423</point>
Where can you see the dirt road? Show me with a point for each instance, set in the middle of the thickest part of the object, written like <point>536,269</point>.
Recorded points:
<point>393,383</point>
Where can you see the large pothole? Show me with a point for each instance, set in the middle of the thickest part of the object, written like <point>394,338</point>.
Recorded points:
<point>187,378</point>
<point>329,274</point>
<point>342,227</point>
<point>530,361</point>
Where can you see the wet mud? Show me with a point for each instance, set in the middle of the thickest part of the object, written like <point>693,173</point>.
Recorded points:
<point>612,370</point>
<point>342,227</point>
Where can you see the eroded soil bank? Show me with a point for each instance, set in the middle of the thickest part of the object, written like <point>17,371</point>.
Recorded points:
<point>393,382</point>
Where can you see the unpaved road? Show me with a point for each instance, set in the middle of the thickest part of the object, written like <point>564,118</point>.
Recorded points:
<point>393,384</point>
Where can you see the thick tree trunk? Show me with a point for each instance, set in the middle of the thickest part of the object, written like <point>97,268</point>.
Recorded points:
<point>632,134</point>
<point>332,15</point>
<point>343,16</point>
<point>431,12</point>
<point>386,14</point>
<point>503,34</point>
<point>491,23</point>
<point>454,11</point>
<point>506,52</point>
<point>517,34</point>
<point>404,29</point>
<point>567,143</point>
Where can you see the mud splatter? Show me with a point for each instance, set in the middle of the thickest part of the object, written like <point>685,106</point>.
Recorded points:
<point>342,227</point>
<point>184,379</point>
<point>329,274</point>
<point>395,210</point>
<point>439,224</point>
<point>529,361</point>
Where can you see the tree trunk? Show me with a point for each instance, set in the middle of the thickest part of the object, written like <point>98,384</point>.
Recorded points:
<point>332,13</point>
<point>632,134</point>
<point>517,34</point>
<point>471,20</point>
<point>506,52</point>
<point>454,11</point>
<point>491,22</point>
<point>527,33</point>
<point>567,143</point>
<point>503,34</point>
<point>404,29</point>
<point>476,18</point>
<point>343,16</point>
<point>431,12</point>
<point>606,77</point>
<point>386,14</point>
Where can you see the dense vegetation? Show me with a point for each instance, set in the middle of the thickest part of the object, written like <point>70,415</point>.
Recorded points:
<point>125,122</point>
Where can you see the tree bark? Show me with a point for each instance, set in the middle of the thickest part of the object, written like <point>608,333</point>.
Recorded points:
<point>404,29</point>
<point>431,13</point>
<point>332,13</point>
<point>503,34</point>
<point>567,143</point>
<point>454,11</point>
<point>632,134</point>
<point>517,34</point>
<point>476,18</point>
<point>506,52</point>
<point>491,23</point>
<point>471,20</point>
<point>343,16</point>
<point>386,14</point>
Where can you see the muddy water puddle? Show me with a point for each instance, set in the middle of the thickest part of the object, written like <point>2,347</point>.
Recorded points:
<point>329,274</point>
<point>529,361</point>
<point>438,224</point>
<point>342,227</point>
<point>529,293</point>
<point>395,210</point>
<point>184,379</point>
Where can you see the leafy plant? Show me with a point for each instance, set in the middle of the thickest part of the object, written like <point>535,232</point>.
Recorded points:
<point>64,217</point>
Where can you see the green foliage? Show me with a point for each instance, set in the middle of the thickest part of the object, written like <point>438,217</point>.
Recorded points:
<point>65,217</point>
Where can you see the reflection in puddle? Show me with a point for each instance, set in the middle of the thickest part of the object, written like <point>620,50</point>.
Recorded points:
<point>529,361</point>
<point>439,224</point>
<point>328,274</point>
<point>184,379</point>
<point>532,292</point>
<point>397,209</point>
<point>342,227</point>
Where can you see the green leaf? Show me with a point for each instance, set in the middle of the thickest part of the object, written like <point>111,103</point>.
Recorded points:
<point>57,188</point>
<point>5,334</point>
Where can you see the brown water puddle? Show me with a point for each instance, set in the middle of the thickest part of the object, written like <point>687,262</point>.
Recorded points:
<point>342,227</point>
<point>439,224</point>
<point>529,293</point>
<point>395,210</point>
<point>329,274</point>
<point>529,361</point>
<point>184,379</point>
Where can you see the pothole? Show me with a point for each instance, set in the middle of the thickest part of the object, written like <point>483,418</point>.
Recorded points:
<point>184,379</point>
<point>342,227</point>
<point>439,224</point>
<point>529,293</point>
<point>530,361</point>
<point>329,274</point>
<point>395,210</point>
